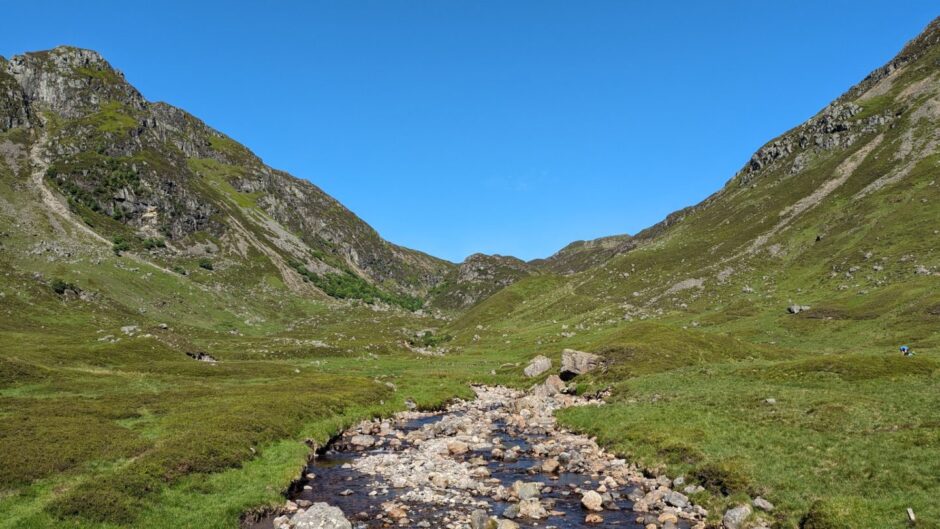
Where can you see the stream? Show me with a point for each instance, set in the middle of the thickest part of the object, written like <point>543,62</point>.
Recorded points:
<point>499,461</point>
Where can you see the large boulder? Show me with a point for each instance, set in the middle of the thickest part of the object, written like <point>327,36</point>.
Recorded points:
<point>552,386</point>
<point>320,516</point>
<point>537,366</point>
<point>574,363</point>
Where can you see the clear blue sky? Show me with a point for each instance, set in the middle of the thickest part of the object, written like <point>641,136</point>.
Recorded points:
<point>500,126</point>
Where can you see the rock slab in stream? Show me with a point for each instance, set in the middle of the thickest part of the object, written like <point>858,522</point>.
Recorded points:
<point>320,516</point>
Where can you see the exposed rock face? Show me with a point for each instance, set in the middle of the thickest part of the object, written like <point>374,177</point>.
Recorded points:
<point>537,366</point>
<point>320,516</point>
<point>163,173</point>
<point>575,363</point>
<point>478,277</point>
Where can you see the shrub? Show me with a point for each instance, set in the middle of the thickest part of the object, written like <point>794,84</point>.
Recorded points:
<point>206,264</point>
<point>60,287</point>
<point>723,477</point>
<point>120,245</point>
<point>152,243</point>
<point>348,285</point>
<point>429,339</point>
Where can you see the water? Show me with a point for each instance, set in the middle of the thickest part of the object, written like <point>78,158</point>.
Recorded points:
<point>366,512</point>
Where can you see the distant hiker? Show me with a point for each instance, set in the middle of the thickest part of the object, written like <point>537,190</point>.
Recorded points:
<point>906,351</point>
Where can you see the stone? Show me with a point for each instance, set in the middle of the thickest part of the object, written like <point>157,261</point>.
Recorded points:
<point>532,508</point>
<point>362,441</point>
<point>511,511</point>
<point>676,499</point>
<point>550,466</point>
<point>457,448</point>
<point>592,501</point>
<point>763,504</point>
<point>574,363</point>
<point>734,518</point>
<point>593,518</point>
<point>480,520</point>
<point>537,366</point>
<point>667,517</point>
<point>507,524</point>
<point>320,516</point>
<point>526,490</point>
<point>552,386</point>
<point>796,309</point>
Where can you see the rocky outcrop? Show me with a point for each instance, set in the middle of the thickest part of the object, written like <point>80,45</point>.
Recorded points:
<point>574,363</point>
<point>165,174</point>
<point>478,277</point>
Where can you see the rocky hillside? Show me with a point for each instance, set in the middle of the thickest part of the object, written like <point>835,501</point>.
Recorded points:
<point>581,255</point>
<point>838,214</point>
<point>151,179</point>
<point>478,277</point>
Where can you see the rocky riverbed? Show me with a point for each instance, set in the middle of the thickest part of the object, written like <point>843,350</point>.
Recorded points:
<point>499,461</point>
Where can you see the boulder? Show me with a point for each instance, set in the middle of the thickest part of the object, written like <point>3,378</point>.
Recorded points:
<point>574,363</point>
<point>507,524</point>
<point>537,366</point>
<point>734,518</point>
<point>676,499</point>
<point>362,441</point>
<point>320,516</point>
<point>457,448</point>
<point>592,501</point>
<point>532,508</point>
<point>526,490</point>
<point>552,386</point>
<point>480,520</point>
<point>796,309</point>
<point>550,466</point>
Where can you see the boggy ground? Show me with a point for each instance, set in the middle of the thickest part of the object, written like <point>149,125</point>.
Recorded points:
<point>500,460</point>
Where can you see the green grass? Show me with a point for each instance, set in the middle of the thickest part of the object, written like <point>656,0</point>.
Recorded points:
<point>853,431</point>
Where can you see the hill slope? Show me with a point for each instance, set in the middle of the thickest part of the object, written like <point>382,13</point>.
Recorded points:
<point>752,339</point>
<point>159,179</point>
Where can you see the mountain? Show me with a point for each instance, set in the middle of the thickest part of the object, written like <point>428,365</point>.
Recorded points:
<point>156,178</point>
<point>749,343</point>
<point>477,278</point>
<point>838,213</point>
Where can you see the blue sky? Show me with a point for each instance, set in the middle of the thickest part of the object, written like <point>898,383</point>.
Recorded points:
<point>501,126</point>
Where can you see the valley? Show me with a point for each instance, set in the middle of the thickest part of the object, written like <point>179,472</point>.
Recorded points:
<point>183,326</point>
